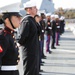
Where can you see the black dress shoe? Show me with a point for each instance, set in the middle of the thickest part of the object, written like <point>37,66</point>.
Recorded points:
<point>41,70</point>
<point>50,52</point>
<point>42,62</point>
<point>58,45</point>
<point>40,74</point>
<point>44,57</point>
<point>53,47</point>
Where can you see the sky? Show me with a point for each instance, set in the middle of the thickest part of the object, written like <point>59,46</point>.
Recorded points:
<point>58,3</point>
<point>64,4</point>
<point>6,2</point>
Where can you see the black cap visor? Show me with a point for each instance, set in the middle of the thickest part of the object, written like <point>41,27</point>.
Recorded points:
<point>9,14</point>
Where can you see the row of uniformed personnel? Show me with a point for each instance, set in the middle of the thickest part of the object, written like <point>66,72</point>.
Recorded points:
<point>29,40</point>
<point>55,27</point>
<point>52,26</point>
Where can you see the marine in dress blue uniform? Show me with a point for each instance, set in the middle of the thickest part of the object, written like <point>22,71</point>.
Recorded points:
<point>53,24</point>
<point>9,51</point>
<point>62,24</point>
<point>57,29</point>
<point>37,19</point>
<point>42,23</point>
<point>48,32</point>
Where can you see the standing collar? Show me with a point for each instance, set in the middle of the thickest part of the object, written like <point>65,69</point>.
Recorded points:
<point>8,30</point>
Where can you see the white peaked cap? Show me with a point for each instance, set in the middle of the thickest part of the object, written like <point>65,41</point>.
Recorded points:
<point>48,14</point>
<point>52,15</point>
<point>11,8</point>
<point>62,18</point>
<point>1,14</point>
<point>29,4</point>
<point>56,16</point>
